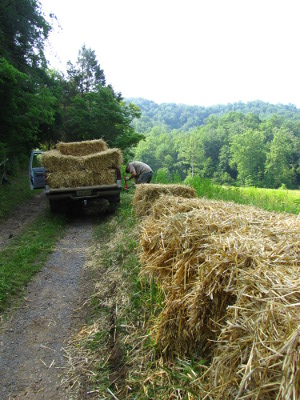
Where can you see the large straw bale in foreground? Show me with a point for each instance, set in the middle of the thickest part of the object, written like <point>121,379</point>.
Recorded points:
<point>257,353</point>
<point>54,161</point>
<point>146,194</point>
<point>83,148</point>
<point>231,278</point>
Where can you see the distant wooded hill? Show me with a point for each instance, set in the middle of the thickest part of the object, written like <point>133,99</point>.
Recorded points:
<point>252,144</point>
<point>184,117</point>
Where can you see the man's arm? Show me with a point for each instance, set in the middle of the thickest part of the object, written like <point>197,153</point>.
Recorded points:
<point>133,175</point>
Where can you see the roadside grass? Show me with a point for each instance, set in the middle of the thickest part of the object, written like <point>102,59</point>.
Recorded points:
<point>25,255</point>
<point>116,350</point>
<point>119,306</point>
<point>14,193</point>
<point>278,200</point>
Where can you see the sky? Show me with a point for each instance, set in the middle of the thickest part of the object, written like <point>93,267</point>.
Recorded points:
<point>193,52</point>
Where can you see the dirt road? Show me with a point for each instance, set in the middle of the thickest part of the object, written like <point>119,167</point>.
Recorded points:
<point>32,341</point>
<point>22,216</point>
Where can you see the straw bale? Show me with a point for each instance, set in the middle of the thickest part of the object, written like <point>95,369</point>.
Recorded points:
<point>257,353</point>
<point>111,158</point>
<point>197,251</point>
<point>81,178</point>
<point>54,161</point>
<point>82,148</point>
<point>146,194</point>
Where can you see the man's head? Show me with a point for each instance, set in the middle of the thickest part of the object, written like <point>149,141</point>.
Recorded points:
<point>127,168</point>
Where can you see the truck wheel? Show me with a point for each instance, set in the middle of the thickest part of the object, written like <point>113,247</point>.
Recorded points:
<point>114,199</point>
<point>57,206</point>
<point>114,202</point>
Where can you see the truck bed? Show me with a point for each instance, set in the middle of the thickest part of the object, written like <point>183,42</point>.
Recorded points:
<point>83,192</point>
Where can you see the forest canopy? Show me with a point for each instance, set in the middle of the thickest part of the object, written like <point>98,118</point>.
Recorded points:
<point>252,143</point>
<point>259,145</point>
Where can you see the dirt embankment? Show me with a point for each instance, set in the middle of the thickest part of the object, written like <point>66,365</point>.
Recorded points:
<point>32,340</point>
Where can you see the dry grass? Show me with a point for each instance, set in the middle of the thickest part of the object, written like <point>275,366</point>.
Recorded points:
<point>230,274</point>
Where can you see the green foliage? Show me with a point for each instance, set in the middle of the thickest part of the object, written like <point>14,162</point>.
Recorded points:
<point>234,149</point>
<point>159,150</point>
<point>279,166</point>
<point>163,176</point>
<point>190,152</point>
<point>184,117</point>
<point>93,110</point>
<point>87,74</point>
<point>23,32</point>
<point>248,153</point>
<point>25,103</point>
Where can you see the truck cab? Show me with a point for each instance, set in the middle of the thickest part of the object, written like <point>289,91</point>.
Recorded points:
<point>36,170</point>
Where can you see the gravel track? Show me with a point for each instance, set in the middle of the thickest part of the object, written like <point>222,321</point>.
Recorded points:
<point>32,340</point>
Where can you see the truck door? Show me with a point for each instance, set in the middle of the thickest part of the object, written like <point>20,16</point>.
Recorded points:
<point>36,170</point>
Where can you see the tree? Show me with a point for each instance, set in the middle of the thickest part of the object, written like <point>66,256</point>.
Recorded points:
<point>25,103</point>
<point>86,76</point>
<point>279,168</point>
<point>93,109</point>
<point>97,115</point>
<point>191,152</point>
<point>158,150</point>
<point>249,155</point>
<point>19,109</point>
<point>23,32</point>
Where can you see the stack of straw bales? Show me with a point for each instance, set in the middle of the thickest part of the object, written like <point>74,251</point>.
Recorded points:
<point>231,279</point>
<point>146,194</point>
<point>86,163</point>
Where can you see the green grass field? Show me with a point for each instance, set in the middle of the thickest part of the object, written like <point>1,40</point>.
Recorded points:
<point>278,200</point>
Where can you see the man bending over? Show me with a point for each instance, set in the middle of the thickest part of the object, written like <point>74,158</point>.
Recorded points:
<point>139,171</point>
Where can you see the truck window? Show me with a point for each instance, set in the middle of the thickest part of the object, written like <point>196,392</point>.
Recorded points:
<point>37,161</point>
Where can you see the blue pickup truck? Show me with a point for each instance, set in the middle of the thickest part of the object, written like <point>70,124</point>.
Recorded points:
<point>64,199</point>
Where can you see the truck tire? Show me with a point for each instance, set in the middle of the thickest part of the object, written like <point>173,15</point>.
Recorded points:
<point>114,199</point>
<point>57,206</point>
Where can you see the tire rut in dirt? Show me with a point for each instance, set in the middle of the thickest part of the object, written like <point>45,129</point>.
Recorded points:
<point>32,341</point>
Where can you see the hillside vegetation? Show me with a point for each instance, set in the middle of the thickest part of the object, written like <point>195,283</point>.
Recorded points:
<point>257,144</point>
<point>184,117</point>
